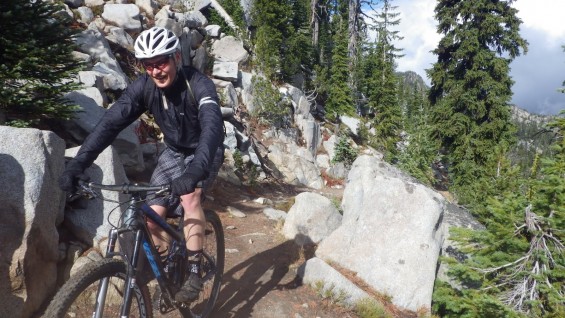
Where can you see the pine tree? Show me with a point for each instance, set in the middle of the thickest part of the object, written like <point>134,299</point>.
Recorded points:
<point>383,94</point>
<point>517,264</point>
<point>471,87</point>
<point>282,43</point>
<point>36,64</point>
<point>420,152</point>
<point>340,97</point>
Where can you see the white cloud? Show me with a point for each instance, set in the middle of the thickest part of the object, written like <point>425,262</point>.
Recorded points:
<point>545,16</point>
<point>418,27</point>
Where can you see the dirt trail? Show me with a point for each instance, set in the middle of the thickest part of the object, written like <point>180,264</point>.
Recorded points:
<point>260,276</point>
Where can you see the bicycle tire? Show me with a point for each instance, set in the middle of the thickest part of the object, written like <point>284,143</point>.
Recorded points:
<point>214,247</point>
<point>77,296</point>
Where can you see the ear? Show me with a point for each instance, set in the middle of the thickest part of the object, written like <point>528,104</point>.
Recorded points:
<point>178,57</point>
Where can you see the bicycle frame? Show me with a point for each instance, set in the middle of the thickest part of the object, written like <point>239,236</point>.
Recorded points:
<point>133,222</point>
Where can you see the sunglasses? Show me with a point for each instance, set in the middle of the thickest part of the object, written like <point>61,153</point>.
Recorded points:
<point>160,64</point>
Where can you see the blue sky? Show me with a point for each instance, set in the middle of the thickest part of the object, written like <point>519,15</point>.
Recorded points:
<point>537,75</point>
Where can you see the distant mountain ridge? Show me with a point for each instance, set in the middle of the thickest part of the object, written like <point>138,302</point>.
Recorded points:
<point>413,80</point>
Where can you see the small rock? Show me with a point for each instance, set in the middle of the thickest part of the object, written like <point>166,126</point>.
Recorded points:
<point>274,214</point>
<point>250,241</point>
<point>232,250</point>
<point>230,227</point>
<point>263,201</point>
<point>235,212</point>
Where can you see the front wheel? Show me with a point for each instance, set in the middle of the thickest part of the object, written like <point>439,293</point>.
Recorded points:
<point>78,296</point>
<point>212,269</point>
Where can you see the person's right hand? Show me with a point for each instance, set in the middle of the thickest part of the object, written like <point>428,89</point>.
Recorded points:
<point>68,181</point>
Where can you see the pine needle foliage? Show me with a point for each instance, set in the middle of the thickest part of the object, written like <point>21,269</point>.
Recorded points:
<point>36,64</point>
<point>272,108</point>
<point>471,86</point>
<point>234,9</point>
<point>516,266</point>
<point>420,150</point>
<point>340,97</point>
<point>282,40</point>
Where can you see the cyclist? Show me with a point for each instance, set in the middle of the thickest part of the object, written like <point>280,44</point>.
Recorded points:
<point>185,106</point>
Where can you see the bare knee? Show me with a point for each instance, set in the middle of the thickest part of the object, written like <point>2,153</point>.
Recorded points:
<point>191,202</point>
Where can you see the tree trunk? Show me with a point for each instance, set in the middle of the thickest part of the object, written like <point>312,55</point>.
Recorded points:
<point>354,10</point>
<point>314,23</point>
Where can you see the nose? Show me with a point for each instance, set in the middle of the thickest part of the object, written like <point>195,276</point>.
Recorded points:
<point>154,71</point>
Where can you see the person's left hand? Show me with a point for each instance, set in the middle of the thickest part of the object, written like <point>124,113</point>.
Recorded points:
<point>183,185</point>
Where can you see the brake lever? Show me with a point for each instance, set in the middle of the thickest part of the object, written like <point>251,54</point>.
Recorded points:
<point>165,190</point>
<point>83,191</point>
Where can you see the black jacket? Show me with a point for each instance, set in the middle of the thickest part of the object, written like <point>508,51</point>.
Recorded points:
<point>192,124</point>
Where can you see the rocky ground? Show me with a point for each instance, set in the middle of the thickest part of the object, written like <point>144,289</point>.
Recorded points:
<point>260,277</point>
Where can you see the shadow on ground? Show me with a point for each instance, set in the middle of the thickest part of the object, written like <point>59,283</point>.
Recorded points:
<point>249,281</point>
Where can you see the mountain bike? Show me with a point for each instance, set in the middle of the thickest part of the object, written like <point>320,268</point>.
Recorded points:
<point>117,285</point>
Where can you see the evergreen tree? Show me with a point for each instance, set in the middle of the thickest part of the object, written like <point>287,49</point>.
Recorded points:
<point>340,96</point>
<point>471,87</point>
<point>36,64</point>
<point>420,151</point>
<point>517,264</point>
<point>282,44</point>
<point>383,93</point>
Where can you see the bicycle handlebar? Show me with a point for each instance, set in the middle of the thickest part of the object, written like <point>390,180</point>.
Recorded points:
<point>128,188</point>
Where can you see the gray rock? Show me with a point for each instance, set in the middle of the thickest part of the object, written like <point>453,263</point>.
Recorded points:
<point>193,19</point>
<point>86,15</point>
<point>74,3</point>
<point>329,146</point>
<point>92,42</point>
<point>126,143</point>
<point>351,123</point>
<point>147,6</point>
<point>31,205</point>
<point>93,223</point>
<point>316,272</point>
<point>274,214</point>
<point>392,223</point>
<point>311,219</point>
<point>120,37</point>
<point>296,164</point>
<point>125,16</point>
<point>229,49</point>
<point>225,70</point>
<point>230,142</point>
<point>235,212</point>
<point>213,30</point>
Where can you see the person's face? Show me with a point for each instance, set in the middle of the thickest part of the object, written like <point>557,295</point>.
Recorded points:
<point>162,69</point>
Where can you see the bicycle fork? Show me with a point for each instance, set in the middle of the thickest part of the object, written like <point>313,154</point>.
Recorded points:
<point>130,275</point>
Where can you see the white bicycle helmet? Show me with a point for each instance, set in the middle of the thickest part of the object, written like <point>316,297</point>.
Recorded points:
<point>154,42</point>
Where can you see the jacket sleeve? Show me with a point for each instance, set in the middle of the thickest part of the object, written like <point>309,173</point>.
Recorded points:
<point>211,125</point>
<point>122,113</point>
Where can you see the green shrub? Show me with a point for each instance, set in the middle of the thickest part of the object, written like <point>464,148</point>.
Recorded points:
<point>270,107</point>
<point>344,152</point>
<point>370,308</point>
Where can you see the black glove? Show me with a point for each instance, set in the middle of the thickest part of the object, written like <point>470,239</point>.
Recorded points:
<point>183,185</point>
<point>68,181</point>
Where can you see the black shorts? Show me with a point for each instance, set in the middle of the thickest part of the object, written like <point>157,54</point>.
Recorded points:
<point>172,165</point>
